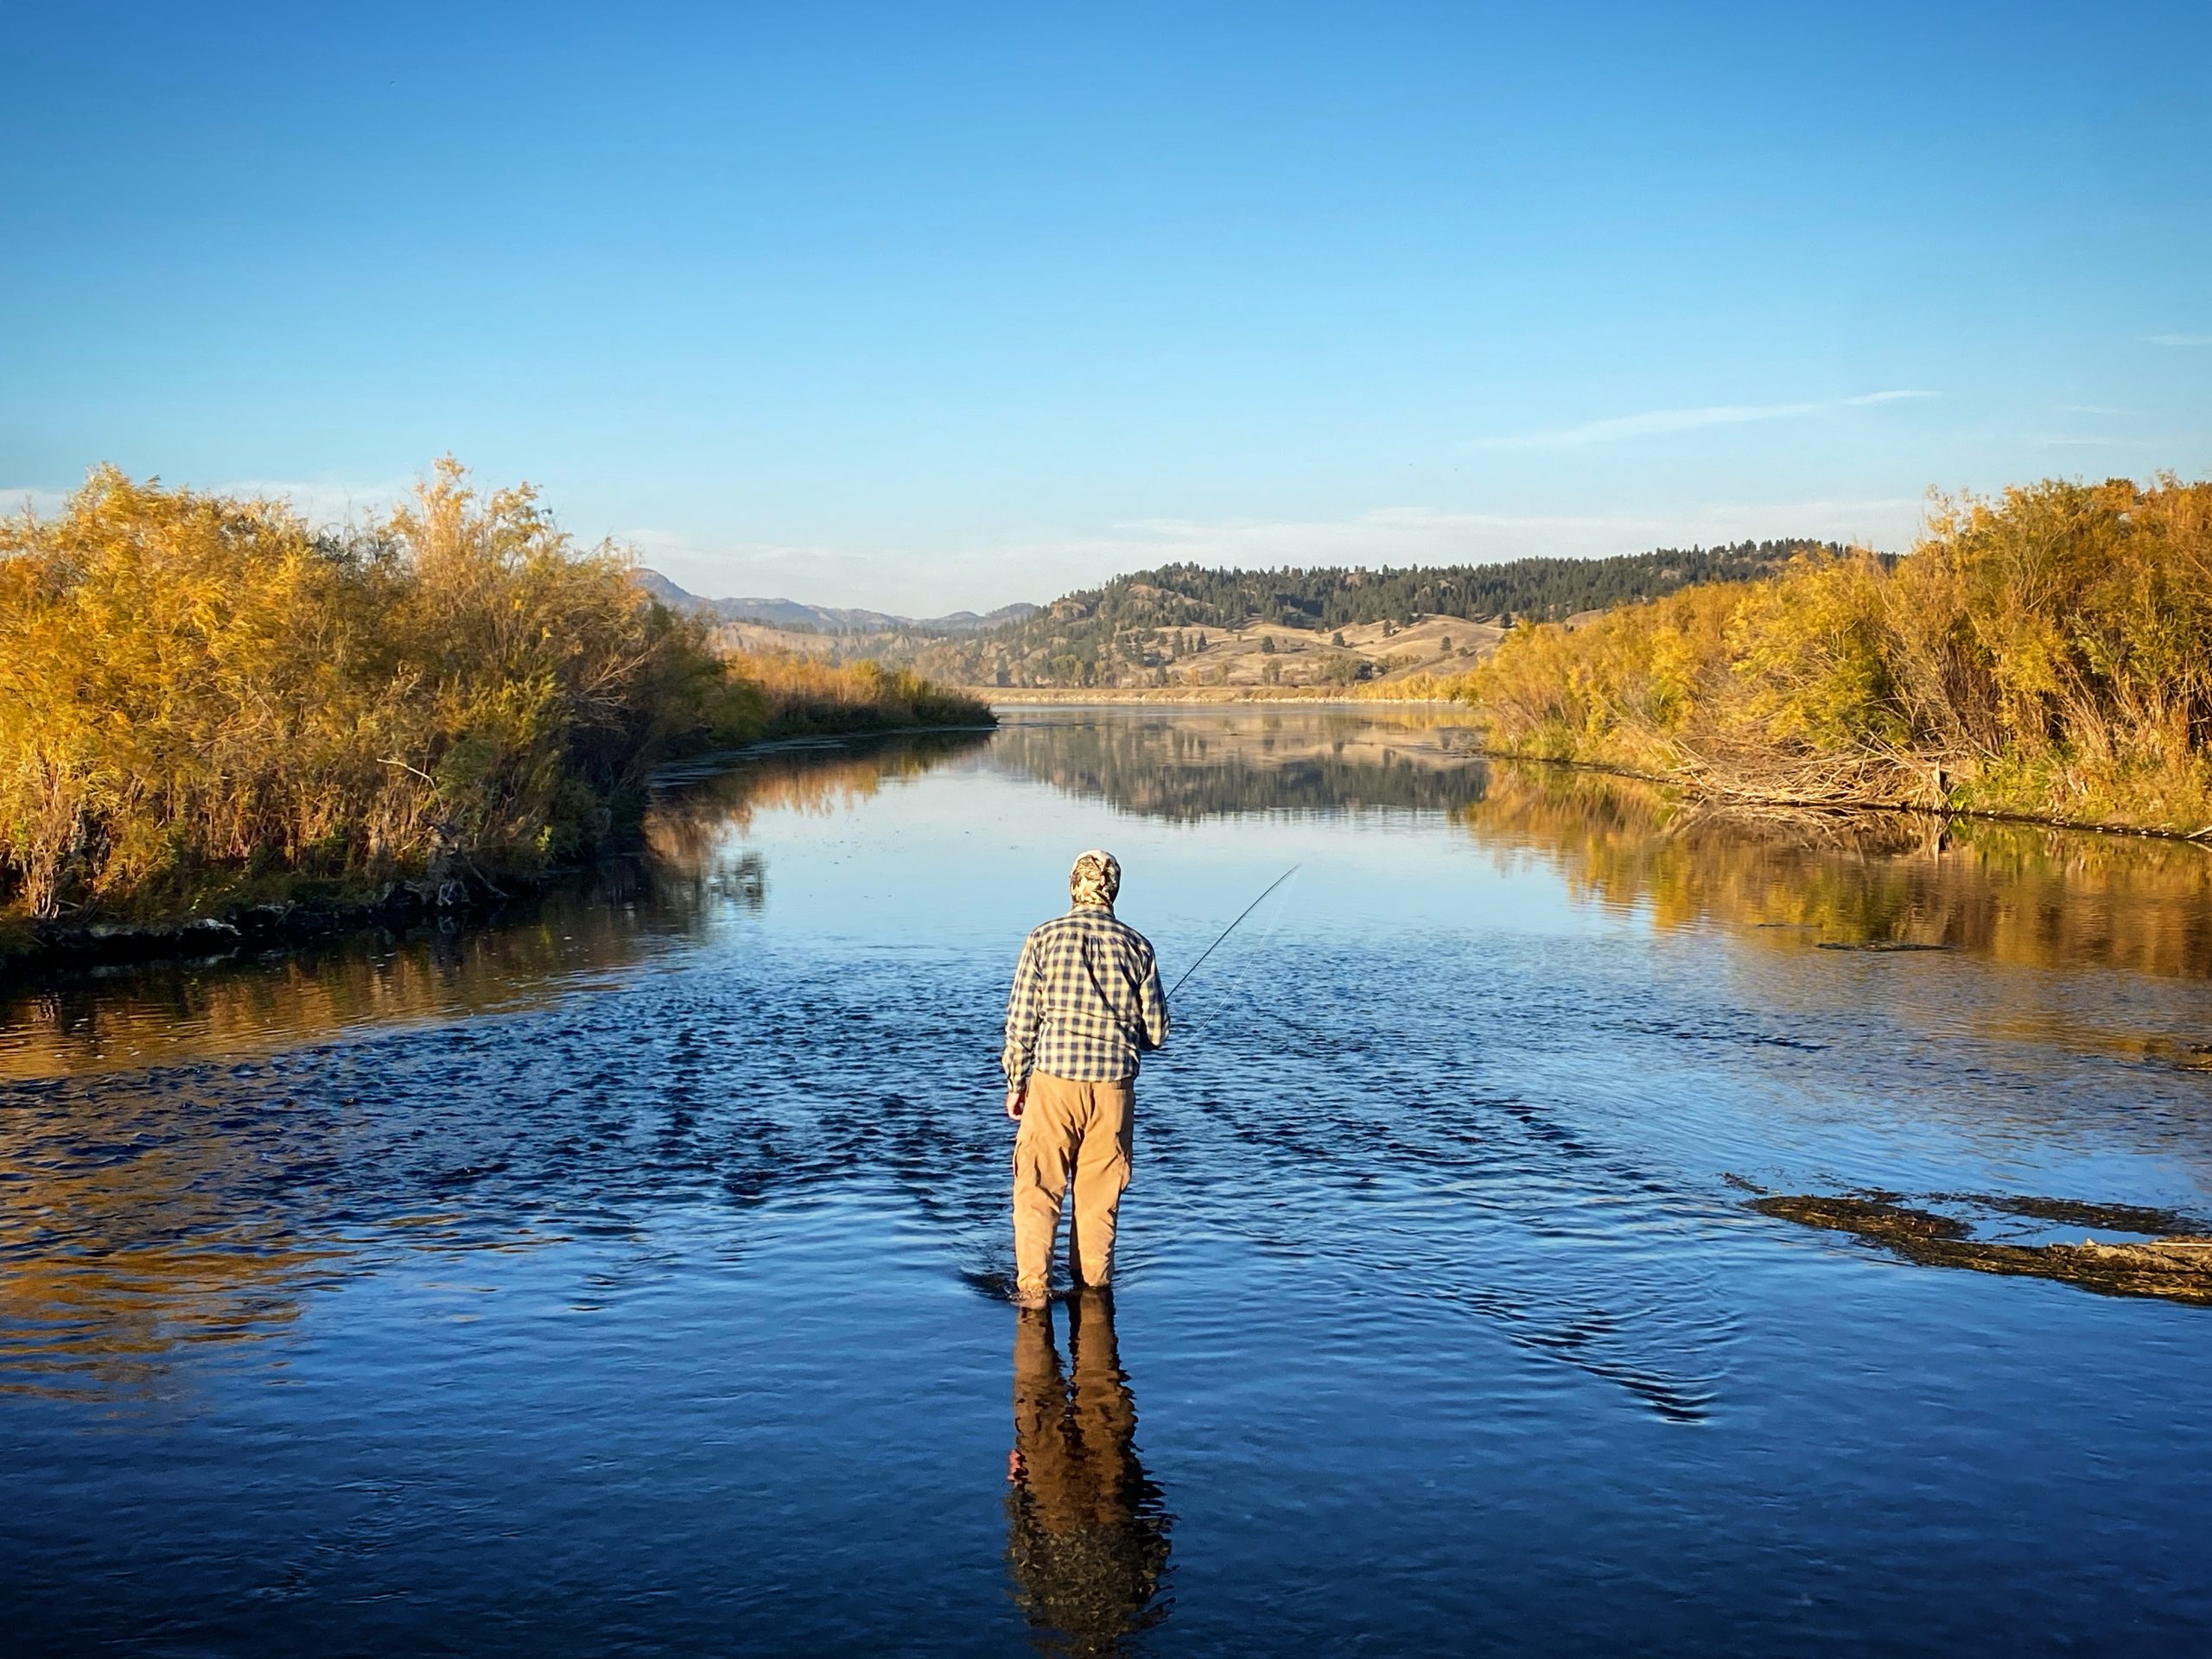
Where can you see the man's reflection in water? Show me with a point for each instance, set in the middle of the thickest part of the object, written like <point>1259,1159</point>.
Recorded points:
<point>1086,1531</point>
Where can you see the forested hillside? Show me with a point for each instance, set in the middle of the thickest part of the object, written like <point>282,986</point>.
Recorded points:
<point>1147,628</point>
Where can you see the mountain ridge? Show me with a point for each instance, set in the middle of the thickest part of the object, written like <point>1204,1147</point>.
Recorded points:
<point>1193,625</point>
<point>796,614</point>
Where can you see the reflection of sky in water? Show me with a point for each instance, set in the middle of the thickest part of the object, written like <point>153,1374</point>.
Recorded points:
<point>612,1275</point>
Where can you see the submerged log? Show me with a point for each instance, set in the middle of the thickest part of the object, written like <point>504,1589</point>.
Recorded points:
<point>2177,1267</point>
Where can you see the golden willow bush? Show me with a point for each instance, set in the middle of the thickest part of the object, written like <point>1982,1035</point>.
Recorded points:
<point>809,696</point>
<point>2048,653</point>
<point>196,692</point>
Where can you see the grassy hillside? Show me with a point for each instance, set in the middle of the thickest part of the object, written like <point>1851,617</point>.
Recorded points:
<point>1183,625</point>
<point>201,700</point>
<point>2048,653</point>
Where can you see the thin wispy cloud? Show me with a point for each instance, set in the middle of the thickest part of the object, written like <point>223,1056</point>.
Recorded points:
<point>319,502</point>
<point>1659,423</point>
<point>2179,340</point>
<point>40,503</point>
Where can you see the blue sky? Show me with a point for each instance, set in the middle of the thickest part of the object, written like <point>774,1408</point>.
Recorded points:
<point>934,306</point>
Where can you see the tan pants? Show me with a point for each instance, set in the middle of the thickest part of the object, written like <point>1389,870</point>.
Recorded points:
<point>1069,1130</point>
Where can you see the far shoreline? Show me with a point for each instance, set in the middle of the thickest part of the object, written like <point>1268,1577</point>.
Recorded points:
<point>1196,698</point>
<point>1004,697</point>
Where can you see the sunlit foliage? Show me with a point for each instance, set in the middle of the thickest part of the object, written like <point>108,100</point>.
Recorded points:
<point>807,695</point>
<point>198,691</point>
<point>2047,653</point>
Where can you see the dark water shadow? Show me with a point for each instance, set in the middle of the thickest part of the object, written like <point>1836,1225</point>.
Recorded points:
<point>1087,1528</point>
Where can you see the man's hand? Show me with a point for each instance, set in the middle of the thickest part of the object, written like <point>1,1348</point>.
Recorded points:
<point>1014,1098</point>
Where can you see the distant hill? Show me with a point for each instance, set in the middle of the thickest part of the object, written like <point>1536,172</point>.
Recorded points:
<point>1186,625</point>
<point>1182,624</point>
<point>823,619</point>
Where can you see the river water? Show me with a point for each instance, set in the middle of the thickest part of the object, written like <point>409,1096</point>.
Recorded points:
<point>628,1275</point>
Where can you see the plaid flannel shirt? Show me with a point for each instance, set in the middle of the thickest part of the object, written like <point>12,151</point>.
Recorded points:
<point>1086,1001</point>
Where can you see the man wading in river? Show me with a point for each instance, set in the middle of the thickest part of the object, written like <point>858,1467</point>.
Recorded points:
<point>1086,1002</point>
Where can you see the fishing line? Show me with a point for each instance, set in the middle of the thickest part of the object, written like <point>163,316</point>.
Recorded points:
<point>1240,970</point>
<point>1230,929</point>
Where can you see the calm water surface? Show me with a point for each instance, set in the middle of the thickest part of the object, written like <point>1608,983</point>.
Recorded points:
<point>623,1276</point>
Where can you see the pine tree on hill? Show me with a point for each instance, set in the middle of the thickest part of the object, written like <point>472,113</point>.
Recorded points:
<point>1093,637</point>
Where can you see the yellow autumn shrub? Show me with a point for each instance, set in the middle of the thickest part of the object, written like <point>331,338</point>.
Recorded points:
<point>2046,654</point>
<point>197,690</point>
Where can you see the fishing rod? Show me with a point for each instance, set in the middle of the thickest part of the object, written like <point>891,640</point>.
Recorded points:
<point>1230,929</point>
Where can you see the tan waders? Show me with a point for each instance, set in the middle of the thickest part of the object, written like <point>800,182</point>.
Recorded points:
<point>1078,1131</point>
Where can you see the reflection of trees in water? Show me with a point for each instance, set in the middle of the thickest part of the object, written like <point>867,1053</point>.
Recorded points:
<point>1188,767</point>
<point>114,1260</point>
<point>2022,893</point>
<point>693,813</point>
<point>1086,1529</point>
<point>141,1217</point>
<point>188,1203</point>
<point>526,955</point>
<point>688,831</point>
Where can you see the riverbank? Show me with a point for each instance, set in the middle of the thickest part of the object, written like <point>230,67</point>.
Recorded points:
<point>1692,788</point>
<point>1694,784</point>
<point>282,912</point>
<point>293,913</point>
<point>214,716</point>
<point>2044,656</point>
